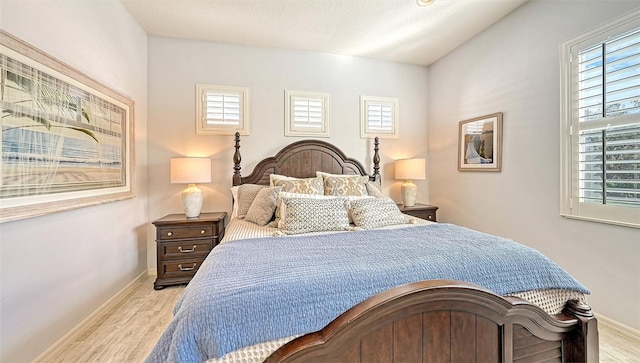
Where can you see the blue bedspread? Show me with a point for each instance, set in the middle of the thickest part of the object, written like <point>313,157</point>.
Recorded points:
<point>254,290</point>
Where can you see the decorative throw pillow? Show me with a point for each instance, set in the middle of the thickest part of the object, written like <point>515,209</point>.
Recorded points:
<point>246,194</point>
<point>375,212</point>
<point>335,184</point>
<point>304,215</point>
<point>301,186</point>
<point>351,198</point>
<point>373,190</point>
<point>273,178</point>
<point>283,194</point>
<point>263,206</point>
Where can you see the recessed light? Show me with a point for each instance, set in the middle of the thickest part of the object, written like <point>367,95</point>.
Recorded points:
<point>424,2</point>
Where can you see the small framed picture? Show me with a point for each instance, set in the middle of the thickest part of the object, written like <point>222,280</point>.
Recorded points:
<point>480,143</point>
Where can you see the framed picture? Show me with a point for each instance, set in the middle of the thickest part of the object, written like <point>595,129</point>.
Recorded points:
<point>480,143</point>
<point>67,140</point>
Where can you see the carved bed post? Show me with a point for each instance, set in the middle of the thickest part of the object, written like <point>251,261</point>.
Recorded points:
<point>583,342</point>
<point>376,161</point>
<point>236,162</point>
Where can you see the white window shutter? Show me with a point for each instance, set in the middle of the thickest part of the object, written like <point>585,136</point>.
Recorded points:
<point>307,114</point>
<point>222,110</point>
<point>379,117</point>
<point>601,124</point>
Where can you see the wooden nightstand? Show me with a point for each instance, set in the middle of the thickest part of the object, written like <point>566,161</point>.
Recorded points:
<point>183,243</point>
<point>424,211</point>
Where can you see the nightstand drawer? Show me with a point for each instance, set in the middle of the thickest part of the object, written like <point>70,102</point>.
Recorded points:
<point>173,232</point>
<point>178,268</point>
<point>186,249</point>
<point>419,210</point>
<point>428,215</point>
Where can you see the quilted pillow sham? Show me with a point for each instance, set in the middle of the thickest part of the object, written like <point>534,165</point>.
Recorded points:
<point>336,184</point>
<point>375,212</point>
<point>305,215</point>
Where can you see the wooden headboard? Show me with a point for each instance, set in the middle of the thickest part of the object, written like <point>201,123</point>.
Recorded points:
<point>302,159</point>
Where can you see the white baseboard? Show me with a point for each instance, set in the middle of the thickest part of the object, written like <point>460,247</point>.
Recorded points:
<point>152,272</point>
<point>619,328</point>
<point>52,351</point>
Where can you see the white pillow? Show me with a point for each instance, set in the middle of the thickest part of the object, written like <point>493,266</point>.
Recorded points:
<point>305,215</point>
<point>375,212</point>
<point>234,201</point>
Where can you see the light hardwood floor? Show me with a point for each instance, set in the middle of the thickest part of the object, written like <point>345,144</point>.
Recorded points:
<point>129,330</point>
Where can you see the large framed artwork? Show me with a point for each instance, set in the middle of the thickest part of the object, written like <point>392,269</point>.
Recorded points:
<point>67,140</point>
<point>480,143</point>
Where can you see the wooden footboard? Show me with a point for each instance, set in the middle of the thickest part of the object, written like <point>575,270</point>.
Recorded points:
<point>448,321</point>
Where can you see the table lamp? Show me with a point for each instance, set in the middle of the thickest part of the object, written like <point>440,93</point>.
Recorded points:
<point>191,171</point>
<point>409,170</point>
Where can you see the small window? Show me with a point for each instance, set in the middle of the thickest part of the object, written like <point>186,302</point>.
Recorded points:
<point>306,114</point>
<point>379,117</point>
<point>601,124</point>
<point>222,110</point>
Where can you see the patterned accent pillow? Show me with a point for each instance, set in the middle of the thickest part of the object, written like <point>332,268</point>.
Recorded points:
<point>375,212</point>
<point>246,194</point>
<point>283,194</point>
<point>301,186</point>
<point>273,178</point>
<point>263,206</point>
<point>351,198</point>
<point>335,184</point>
<point>304,215</point>
<point>373,190</point>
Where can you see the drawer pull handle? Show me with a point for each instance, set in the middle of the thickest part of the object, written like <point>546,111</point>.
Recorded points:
<point>169,233</point>
<point>430,217</point>
<point>187,268</point>
<point>187,251</point>
<point>203,231</point>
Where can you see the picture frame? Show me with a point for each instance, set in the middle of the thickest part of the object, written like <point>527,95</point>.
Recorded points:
<point>480,143</point>
<point>67,140</point>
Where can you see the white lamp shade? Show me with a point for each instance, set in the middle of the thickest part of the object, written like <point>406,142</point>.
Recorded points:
<point>190,170</point>
<point>410,169</point>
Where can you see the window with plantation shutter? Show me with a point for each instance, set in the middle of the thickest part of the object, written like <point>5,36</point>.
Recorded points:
<point>601,124</point>
<point>222,110</point>
<point>306,114</point>
<point>378,117</point>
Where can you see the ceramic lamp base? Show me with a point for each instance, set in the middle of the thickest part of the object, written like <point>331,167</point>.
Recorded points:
<point>192,201</point>
<point>409,191</point>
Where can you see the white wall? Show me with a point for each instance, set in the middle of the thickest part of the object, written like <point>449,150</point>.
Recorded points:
<point>57,269</point>
<point>513,67</point>
<point>175,66</point>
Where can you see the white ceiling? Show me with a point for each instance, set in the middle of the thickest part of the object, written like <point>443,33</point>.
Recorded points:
<point>392,30</point>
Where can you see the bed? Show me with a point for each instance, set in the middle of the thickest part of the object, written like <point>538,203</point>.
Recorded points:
<point>349,295</point>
